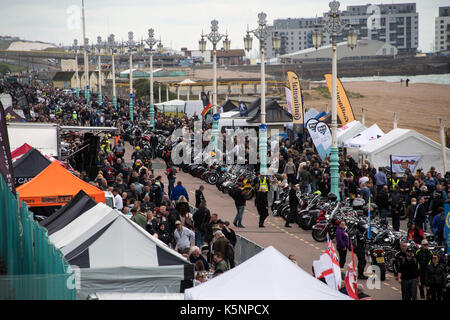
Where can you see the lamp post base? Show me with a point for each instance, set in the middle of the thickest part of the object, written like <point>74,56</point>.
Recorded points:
<point>78,93</point>
<point>115,103</point>
<point>152,117</point>
<point>263,150</point>
<point>334,171</point>
<point>131,111</point>
<point>100,98</point>
<point>215,134</point>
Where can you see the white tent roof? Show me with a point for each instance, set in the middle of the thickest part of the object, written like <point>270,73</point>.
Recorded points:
<point>90,221</point>
<point>268,275</point>
<point>187,81</point>
<point>360,140</point>
<point>228,114</point>
<point>171,103</point>
<point>348,131</point>
<point>122,244</point>
<point>406,142</point>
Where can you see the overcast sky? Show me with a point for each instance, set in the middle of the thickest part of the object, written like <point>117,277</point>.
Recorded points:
<point>179,23</point>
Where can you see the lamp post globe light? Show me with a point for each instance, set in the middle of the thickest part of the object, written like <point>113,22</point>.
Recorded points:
<point>100,45</point>
<point>75,49</point>
<point>214,37</point>
<point>151,41</point>
<point>131,45</point>
<point>262,33</point>
<point>334,26</point>
<point>111,44</point>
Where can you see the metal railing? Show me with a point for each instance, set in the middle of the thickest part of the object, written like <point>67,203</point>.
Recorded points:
<point>35,268</point>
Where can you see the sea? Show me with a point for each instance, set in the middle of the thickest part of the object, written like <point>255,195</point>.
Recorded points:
<point>428,78</point>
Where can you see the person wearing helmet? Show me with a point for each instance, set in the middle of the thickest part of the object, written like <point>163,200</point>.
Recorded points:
<point>137,154</point>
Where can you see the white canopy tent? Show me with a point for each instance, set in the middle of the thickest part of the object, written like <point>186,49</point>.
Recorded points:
<point>349,131</point>
<point>193,106</point>
<point>268,275</point>
<point>360,140</point>
<point>172,106</point>
<point>89,222</point>
<point>405,142</point>
<point>115,255</point>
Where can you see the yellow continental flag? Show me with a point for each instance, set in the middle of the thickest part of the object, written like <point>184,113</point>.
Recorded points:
<point>297,103</point>
<point>344,108</point>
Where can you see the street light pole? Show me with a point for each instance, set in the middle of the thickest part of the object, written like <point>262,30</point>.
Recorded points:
<point>151,41</point>
<point>262,33</point>
<point>131,45</point>
<point>86,62</point>
<point>112,45</point>
<point>334,26</point>
<point>214,37</point>
<point>99,48</point>
<point>75,47</point>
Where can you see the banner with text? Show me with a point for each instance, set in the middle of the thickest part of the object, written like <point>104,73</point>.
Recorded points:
<point>297,100</point>
<point>288,99</point>
<point>401,163</point>
<point>344,108</point>
<point>321,136</point>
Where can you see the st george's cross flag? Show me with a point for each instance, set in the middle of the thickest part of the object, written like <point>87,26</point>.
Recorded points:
<point>350,278</point>
<point>327,267</point>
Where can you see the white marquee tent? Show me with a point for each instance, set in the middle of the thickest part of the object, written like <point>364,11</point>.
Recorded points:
<point>268,275</point>
<point>405,142</point>
<point>172,106</point>
<point>360,140</point>
<point>349,131</point>
<point>114,254</point>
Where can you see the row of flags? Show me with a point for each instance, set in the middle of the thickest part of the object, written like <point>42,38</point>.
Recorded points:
<point>328,268</point>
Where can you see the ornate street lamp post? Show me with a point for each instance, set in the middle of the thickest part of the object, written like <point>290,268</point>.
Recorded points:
<point>131,45</point>
<point>262,33</point>
<point>151,41</point>
<point>100,45</point>
<point>75,49</point>
<point>214,37</point>
<point>111,43</point>
<point>86,61</point>
<point>334,26</point>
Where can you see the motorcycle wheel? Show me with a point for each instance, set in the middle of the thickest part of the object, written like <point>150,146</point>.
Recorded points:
<point>248,194</point>
<point>403,215</point>
<point>319,235</point>
<point>390,258</point>
<point>212,178</point>
<point>307,223</point>
<point>284,212</point>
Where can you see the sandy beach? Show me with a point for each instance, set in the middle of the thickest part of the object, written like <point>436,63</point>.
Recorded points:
<point>418,106</point>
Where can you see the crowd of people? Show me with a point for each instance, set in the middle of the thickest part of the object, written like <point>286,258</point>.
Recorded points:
<point>203,238</point>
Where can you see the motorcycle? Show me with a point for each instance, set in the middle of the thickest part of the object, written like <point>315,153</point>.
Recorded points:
<point>377,258</point>
<point>326,224</point>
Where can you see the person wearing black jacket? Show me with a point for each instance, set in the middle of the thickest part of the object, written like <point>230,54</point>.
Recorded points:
<point>201,219</point>
<point>239,201</point>
<point>423,256</point>
<point>435,278</point>
<point>382,201</point>
<point>262,205</point>
<point>293,205</point>
<point>420,214</point>
<point>409,275</point>
<point>154,144</point>
<point>199,197</point>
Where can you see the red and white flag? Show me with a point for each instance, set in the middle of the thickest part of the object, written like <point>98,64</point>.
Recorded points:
<point>350,278</point>
<point>327,267</point>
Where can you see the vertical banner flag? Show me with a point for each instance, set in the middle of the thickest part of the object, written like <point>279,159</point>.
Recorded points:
<point>321,136</point>
<point>297,101</point>
<point>401,163</point>
<point>288,93</point>
<point>207,106</point>
<point>350,278</point>
<point>344,108</point>
<point>6,168</point>
<point>447,225</point>
<point>243,111</point>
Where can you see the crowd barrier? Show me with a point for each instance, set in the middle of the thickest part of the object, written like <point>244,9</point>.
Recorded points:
<point>35,269</point>
<point>245,249</point>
